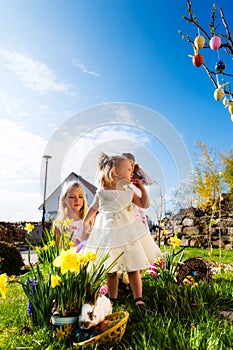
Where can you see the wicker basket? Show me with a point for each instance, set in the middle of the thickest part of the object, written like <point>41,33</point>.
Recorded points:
<point>194,265</point>
<point>113,335</point>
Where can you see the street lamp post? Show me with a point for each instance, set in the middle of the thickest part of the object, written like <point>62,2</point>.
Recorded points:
<point>45,185</point>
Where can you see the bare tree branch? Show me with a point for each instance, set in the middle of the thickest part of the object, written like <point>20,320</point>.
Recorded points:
<point>225,35</point>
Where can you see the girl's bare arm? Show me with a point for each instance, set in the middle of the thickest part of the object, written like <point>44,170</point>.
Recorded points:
<point>143,200</point>
<point>90,214</point>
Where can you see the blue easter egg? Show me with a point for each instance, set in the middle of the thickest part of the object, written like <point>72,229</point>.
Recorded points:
<point>220,66</point>
<point>93,334</point>
<point>80,334</point>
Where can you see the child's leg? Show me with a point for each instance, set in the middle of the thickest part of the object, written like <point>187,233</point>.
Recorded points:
<point>135,282</point>
<point>112,283</point>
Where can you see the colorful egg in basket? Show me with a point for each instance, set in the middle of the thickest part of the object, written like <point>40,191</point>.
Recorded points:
<point>194,269</point>
<point>112,335</point>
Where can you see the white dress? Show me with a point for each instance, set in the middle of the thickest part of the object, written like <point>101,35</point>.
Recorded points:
<point>117,230</point>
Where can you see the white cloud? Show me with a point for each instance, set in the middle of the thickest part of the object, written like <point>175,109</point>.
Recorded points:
<point>44,108</point>
<point>19,206</point>
<point>20,159</point>
<point>33,74</point>
<point>81,66</point>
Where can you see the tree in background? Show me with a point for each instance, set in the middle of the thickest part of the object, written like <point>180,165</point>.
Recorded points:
<point>227,160</point>
<point>216,37</point>
<point>208,184</point>
<point>184,195</point>
<point>212,176</point>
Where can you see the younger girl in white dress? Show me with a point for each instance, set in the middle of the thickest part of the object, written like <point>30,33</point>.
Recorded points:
<point>72,205</point>
<point>117,230</point>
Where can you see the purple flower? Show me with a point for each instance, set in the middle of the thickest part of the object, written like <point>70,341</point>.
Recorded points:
<point>30,309</point>
<point>32,291</point>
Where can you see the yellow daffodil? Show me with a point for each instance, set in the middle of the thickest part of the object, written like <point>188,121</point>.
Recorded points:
<point>175,241</point>
<point>45,248</point>
<point>29,227</point>
<point>60,333</point>
<point>37,249</point>
<point>71,243</point>
<point>82,259</point>
<point>91,256</point>
<point>55,280</point>
<point>67,261</point>
<point>12,278</point>
<point>58,223</point>
<point>3,283</point>
<point>52,243</point>
<point>67,222</point>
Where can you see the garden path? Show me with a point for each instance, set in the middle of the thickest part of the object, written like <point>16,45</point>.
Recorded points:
<point>24,254</point>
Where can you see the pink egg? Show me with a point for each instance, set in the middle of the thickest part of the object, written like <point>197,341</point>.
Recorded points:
<point>215,42</point>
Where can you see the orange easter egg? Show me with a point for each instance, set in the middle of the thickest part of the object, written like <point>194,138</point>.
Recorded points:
<point>106,324</point>
<point>198,60</point>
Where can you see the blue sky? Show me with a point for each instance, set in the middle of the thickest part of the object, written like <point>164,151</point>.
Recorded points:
<point>60,58</point>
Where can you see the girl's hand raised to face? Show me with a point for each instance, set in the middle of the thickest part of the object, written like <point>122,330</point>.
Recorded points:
<point>138,183</point>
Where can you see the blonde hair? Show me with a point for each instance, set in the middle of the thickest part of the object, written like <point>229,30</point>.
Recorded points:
<point>107,165</point>
<point>63,211</point>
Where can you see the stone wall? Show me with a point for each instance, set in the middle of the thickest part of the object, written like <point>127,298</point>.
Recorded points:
<point>197,227</point>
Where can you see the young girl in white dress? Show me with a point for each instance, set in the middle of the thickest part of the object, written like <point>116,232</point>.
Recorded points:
<point>117,231</point>
<point>72,205</point>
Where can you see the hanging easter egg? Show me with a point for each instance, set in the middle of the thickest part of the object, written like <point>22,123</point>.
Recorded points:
<point>219,93</point>
<point>215,42</point>
<point>198,60</point>
<point>225,101</point>
<point>220,66</point>
<point>199,42</point>
<point>230,108</point>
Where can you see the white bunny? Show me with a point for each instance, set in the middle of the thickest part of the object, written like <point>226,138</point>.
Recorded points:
<point>94,313</point>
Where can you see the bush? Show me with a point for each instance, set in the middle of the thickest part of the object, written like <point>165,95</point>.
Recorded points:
<point>11,260</point>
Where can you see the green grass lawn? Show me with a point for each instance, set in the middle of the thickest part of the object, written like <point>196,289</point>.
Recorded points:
<point>224,256</point>
<point>177,317</point>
